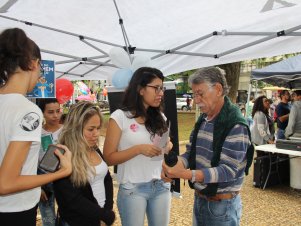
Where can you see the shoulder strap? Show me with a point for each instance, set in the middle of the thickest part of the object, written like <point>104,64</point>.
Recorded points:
<point>99,152</point>
<point>192,154</point>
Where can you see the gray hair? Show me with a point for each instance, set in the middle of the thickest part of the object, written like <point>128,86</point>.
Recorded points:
<point>211,76</point>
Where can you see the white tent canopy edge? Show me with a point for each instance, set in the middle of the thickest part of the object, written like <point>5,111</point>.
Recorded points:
<point>243,31</point>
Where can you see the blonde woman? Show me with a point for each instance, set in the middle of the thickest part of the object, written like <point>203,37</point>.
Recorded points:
<point>86,197</point>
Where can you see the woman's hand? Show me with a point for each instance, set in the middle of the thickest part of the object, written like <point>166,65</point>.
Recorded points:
<point>149,150</point>
<point>168,146</point>
<point>65,160</point>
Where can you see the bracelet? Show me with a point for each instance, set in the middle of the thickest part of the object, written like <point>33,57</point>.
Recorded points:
<point>193,176</point>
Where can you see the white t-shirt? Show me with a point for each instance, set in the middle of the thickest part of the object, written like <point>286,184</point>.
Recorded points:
<point>21,120</point>
<point>54,137</point>
<point>97,183</point>
<point>139,169</point>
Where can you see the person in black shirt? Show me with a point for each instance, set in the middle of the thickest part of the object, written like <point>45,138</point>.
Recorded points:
<point>282,111</point>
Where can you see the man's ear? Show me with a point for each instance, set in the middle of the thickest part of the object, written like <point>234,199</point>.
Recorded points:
<point>219,89</point>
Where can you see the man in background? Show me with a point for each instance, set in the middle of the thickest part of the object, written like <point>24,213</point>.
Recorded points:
<point>282,111</point>
<point>294,121</point>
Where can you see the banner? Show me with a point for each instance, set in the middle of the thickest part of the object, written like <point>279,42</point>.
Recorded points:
<point>45,87</point>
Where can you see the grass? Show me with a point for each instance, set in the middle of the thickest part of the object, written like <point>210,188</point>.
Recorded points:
<point>185,124</point>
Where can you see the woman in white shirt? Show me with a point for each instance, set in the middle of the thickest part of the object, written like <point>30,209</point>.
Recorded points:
<point>130,144</point>
<point>262,130</point>
<point>20,131</point>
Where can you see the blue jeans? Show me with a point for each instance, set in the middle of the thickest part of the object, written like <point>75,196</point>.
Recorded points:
<point>152,198</point>
<point>280,134</point>
<point>47,210</point>
<point>217,213</point>
<point>250,121</point>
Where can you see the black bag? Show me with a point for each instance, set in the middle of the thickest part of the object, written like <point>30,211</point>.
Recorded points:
<point>261,169</point>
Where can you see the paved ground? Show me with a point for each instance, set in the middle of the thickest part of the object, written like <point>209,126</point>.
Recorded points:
<point>278,205</point>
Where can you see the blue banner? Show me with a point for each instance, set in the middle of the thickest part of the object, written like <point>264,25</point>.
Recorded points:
<point>45,87</point>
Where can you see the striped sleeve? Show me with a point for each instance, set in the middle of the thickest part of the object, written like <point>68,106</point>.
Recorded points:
<point>233,157</point>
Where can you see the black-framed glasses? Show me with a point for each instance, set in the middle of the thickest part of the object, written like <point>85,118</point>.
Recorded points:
<point>157,89</point>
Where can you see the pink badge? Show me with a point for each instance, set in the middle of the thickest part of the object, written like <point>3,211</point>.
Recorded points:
<point>134,127</point>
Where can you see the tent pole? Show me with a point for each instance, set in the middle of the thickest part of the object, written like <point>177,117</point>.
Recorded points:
<point>87,72</point>
<point>272,36</point>
<point>78,59</point>
<point>68,72</point>
<point>248,100</point>
<point>125,37</point>
<point>185,44</point>
<point>94,47</point>
<point>59,54</point>
<point>61,31</point>
<point>256,89</point>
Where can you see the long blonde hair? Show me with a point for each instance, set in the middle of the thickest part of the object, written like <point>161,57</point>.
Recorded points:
<point>72,136</point>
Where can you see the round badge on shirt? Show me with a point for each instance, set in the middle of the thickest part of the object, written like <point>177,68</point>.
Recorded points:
<point>30,121</point>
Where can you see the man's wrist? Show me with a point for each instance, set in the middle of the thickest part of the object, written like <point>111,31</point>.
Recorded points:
<point>192,176</point>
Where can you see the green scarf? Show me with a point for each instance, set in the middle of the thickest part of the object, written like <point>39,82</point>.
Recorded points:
<point>229,116</point>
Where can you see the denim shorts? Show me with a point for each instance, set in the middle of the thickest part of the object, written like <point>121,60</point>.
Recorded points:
<point>152,198</point>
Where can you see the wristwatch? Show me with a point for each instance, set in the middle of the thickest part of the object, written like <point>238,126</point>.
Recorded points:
<point>193,176</point>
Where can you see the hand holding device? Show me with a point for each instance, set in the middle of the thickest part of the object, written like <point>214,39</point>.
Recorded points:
<point>50,162</point>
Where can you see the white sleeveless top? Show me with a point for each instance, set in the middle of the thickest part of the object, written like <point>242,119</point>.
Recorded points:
<point>97,183</point>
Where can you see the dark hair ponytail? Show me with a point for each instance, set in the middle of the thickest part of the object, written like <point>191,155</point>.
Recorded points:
<point>16,50</point>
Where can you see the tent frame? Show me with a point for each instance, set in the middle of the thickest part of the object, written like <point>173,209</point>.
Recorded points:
<point>95,60</point>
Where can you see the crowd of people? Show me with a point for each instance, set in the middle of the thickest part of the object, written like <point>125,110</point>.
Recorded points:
<point>280,121</point>
<point>216,160</point>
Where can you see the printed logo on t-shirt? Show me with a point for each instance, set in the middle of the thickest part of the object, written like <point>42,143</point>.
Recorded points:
<point>30,121</point>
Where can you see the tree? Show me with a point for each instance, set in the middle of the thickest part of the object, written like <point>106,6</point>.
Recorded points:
<point>232,76</point>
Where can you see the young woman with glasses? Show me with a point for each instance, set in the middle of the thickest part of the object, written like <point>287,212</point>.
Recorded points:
<point>129,144</point>
<point>20,129</point>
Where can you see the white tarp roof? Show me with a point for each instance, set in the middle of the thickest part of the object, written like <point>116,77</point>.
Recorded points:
<point>154,27</point>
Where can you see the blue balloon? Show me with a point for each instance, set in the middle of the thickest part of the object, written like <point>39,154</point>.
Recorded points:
<point>121,78</point>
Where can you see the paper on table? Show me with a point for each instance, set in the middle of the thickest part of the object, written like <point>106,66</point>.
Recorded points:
<point>161,142</point>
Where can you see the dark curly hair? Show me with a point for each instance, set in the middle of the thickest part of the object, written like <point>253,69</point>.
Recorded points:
<point>44,101</point>
<point>16,50</point>
<point>258,106</point>
<point>133,102</point>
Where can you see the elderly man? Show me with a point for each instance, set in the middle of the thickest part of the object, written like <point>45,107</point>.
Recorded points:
<point>218,153</point>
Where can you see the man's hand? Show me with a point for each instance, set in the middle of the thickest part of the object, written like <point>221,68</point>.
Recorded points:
<point>164,177</point>
<point>178,171</point>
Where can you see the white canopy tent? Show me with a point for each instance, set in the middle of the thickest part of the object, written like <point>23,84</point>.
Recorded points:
<point>177,35</point>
